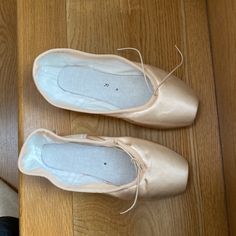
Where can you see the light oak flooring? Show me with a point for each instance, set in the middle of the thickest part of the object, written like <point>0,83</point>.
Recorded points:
<point>202,30</point>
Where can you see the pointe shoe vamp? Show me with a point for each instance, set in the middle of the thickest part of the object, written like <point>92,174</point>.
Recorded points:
<point>175,104</point>
<point>165,174</point>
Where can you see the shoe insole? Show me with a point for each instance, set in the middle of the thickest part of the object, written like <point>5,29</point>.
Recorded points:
<point>105,164</point>
<point>118,90</point>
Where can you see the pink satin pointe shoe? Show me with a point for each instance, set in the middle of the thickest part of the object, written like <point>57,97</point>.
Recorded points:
<point>122,167</point>
<point>114,86</point>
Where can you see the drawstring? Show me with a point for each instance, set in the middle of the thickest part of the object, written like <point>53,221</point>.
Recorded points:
<point>138,169</point>
<point>172,71</point>
<point>136,192</point>
<point>144,73</point>
<point>141,60</point>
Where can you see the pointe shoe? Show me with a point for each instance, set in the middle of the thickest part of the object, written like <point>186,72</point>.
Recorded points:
<point>121,167</point>
<point>114,86</point>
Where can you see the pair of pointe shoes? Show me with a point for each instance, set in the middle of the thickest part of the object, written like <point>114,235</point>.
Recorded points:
<point>123,167</point>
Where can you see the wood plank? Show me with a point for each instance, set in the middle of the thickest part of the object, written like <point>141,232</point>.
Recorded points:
<point>154,27</point>
<point>199,71</point>
<point>8,90</point>
<point>44,209</point>
<point>222,22</point>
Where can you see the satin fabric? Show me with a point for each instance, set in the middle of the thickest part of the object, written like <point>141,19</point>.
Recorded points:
<point>173,105</point>
<point>162,172</point>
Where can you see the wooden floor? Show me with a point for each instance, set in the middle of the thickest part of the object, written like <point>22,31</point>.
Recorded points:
<point>102,26</point>
<point>222,21</point>
<point>8,93</point>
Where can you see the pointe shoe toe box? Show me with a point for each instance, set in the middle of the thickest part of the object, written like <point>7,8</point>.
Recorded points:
<point>165,175</point>
<point>175,104</point>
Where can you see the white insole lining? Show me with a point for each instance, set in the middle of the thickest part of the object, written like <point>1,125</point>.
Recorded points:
<point>120,91</point>
<point>104,164</point>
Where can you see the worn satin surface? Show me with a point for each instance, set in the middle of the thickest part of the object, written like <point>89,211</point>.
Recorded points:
<point>162,171</point>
